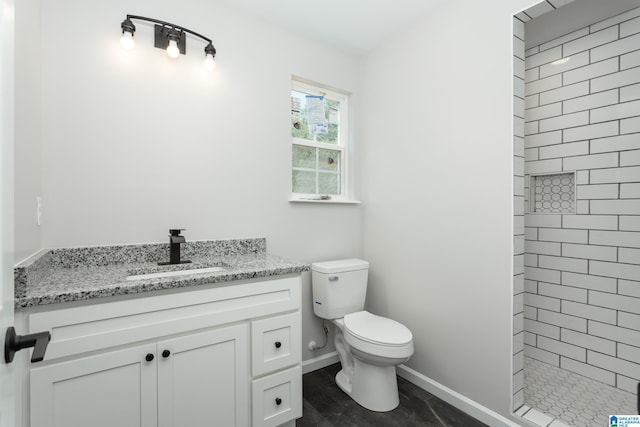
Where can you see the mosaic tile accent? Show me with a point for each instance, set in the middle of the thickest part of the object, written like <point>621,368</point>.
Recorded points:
<point>554,193</point>
<point>571,398</point>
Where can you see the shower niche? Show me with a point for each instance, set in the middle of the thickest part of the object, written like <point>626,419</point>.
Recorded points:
<point>553,193</point>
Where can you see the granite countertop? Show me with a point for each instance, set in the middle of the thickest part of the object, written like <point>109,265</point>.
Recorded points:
<point>75,274</point>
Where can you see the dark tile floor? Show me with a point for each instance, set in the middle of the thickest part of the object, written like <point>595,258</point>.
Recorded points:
<point>325,405</point>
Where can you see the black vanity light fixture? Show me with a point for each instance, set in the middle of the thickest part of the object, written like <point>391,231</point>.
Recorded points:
<point>168,36</point>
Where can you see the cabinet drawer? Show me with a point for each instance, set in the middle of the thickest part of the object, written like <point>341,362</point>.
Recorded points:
<point>276,343</point>
<point>277,398</point>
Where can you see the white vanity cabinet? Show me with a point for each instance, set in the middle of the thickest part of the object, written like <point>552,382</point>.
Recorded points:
<point>223,356</point>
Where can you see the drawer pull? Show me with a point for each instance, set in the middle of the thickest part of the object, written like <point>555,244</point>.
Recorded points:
<point>149,357</point>
<point>278,401</point>
<point>166,354</point>
<point>278,344</point>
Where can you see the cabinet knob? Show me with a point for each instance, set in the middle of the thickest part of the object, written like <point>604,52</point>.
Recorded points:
<point>166,353</point>
<point>278,401</point>
<point>149,357</point>
<point>278,344</point>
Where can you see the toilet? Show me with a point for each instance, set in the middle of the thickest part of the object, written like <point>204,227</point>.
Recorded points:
<point>369,346</point>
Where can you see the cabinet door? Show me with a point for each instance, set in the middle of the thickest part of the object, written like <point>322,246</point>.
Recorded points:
<point>117,388</point>
<point>203,379</point>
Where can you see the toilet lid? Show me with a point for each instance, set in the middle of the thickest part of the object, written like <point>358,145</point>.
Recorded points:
<point>376,329</point>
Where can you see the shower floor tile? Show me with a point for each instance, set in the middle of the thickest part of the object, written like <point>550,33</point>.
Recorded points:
<point>571,398</point>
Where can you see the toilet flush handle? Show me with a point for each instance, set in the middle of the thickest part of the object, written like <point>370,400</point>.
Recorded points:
<point>333,278</point>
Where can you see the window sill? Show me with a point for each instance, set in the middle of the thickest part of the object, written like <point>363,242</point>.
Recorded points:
<point>326,202</point>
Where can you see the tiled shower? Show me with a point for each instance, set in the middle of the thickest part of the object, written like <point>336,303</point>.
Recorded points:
<point>577,198</point>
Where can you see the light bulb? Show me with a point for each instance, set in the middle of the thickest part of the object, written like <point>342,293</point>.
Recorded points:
<point>127,41</point>
<point>172,49</point>
<point>209,63</point>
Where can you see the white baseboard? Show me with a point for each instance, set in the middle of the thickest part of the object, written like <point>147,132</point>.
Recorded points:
<point>461,402</point>
<point>319,362</point>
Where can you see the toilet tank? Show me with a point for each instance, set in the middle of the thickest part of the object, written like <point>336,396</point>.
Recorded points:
<point>339,287</point>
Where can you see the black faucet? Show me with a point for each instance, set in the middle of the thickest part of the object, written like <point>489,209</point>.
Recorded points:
<point>175,239</point>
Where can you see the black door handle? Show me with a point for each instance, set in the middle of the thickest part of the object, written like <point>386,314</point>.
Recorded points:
<point>278,344</point>
<point>166,353</point>
<point>14,342</point>
<point>149,357</point>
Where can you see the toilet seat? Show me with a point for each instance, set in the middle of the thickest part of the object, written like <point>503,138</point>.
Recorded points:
<point>376,329</point>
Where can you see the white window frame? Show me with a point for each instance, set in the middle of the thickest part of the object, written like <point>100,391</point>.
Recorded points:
<point>311,88</point>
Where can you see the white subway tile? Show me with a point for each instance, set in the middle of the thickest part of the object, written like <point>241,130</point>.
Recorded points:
<point>615,112</point>
<point>597,191</point>
<point>518,225</point>
<point>615,143</point>
<point>589,371</point>
<point>582,207</point>
<point>518,319</point>
<point>591,71</point>
<point>518,86</point>
<point>630,191</point>
<point>626,174</point>
<point>616,207</point>
<point>518,107</point>
<point>627,352</point>
<point>543,356</point>
<point>531,51</point>
<point>626,384</point>
<point>615,238</point>
<point>564,92</point>
<point>592,161</point>
<point>530,260</point>
<point>629,256</point>
<point>610,81</point>
<point>530,286</point>
<point>590,312</point>
<point>630,223</point>
<point>543,112</point>
<point>562,292</point>
<point>598,130</point>
<point>518,186</point>
<point>629,93</point>
<point>518,166</point>
<point>620,366</point>
<point>539,9</point>
<point>624,335</point>
<point>582,177</point>
<point>518,146</point>
<point>543,57</point>
<point>542,275</point>
<point>630,158</point>
<point>565,121</point>
<point>591,222</point>
<point>530,128</point>
<point>578,60</point>
<point>616,19</point>
<point>518,244</point>
<point>518,283</point>
<point>547,138</point>
<point>530,154</point>
<point>532,101</point>
<point>630,60</point>
<point>630,125</point>
<point>629,287</point>
<point>615,269</point>
<point>564,150</point>
<point>562,235</point>
<point>564,349</point>
<point>518,29</point>
<point>543,85</point>
<point>588,102</point>
<point>530,233</point>
<point>544,166</point>
<point>518,205</point>
<point>566,38</point>
<point>605,284</point>
<point>530,313</point>
<point>630,27</point>
<point>629,320</point>
<point>574,265</point>
<point>591,41</point>
<point>518,358</point>
<point>539,328</point>
<point>588,341</point>
<point>616,302</point>
<point>601,253</point>
<point>518,53</point>
<point>544,220</point>
<point>545,248</point>
<point>615,48</point>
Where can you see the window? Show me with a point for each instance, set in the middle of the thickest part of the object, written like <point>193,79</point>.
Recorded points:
<point>319,134</point>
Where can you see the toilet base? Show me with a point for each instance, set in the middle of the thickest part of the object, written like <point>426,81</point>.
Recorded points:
<point>373,387</point>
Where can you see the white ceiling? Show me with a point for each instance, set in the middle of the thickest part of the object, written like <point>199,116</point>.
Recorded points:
<point>357,26</point>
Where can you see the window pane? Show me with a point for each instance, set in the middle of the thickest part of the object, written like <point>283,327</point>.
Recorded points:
<point>304,157</point>
<point>329,160</point>
<point>304,182</point>
<point>315,118</point>
<point>328,183</point>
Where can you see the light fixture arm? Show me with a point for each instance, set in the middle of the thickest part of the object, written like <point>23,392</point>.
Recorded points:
<point>169,24</point>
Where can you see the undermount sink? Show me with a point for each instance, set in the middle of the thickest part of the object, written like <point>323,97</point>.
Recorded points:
<point>175,273</point>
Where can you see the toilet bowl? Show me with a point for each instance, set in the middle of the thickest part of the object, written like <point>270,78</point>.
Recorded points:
<point>369,357</point>
<point>369,346</point>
